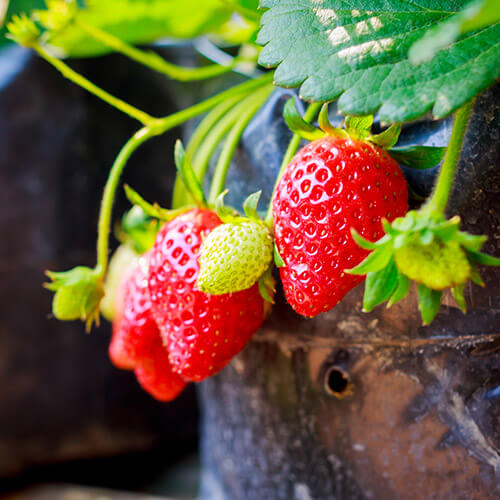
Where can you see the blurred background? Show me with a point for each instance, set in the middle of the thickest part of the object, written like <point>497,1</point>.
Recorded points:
<point>66,415</point>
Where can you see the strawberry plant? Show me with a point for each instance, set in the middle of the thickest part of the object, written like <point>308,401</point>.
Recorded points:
<point>339,213</point>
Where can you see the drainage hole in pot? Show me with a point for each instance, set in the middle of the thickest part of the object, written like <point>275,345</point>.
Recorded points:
<point>337,382</point>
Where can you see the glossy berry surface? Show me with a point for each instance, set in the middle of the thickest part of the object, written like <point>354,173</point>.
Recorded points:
<point>156,376</point>
<point>202,332</point>
<point>330,186</point>
<point>134,329</point>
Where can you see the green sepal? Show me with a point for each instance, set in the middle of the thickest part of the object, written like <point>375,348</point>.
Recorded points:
<point>475,277</point>
<point>482,258</point>
<point>278,260</point>
<point>226,213</point>
<point>155,210</point>
<point>250,206</point>
<point>418,157</point>
<point>458,293</point>
<point>388,137</point>
<point>187,174</point>
<point>267,286</point>
<point>22,30</point>
<point>379,286</point>
<point>471,242</point>
<point>298,125</point>
<point>78,294</point>
<point>426,236</point>
<point>377,260</point>
<point>364,243</point>
<point>137,230</point>
<point>428,303</point>
<point>401,290</point>
<point>359,127</point>
<point>326,126</point>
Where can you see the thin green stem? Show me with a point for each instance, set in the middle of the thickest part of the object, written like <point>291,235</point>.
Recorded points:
<point>109,194</point>
<point>293,145</point>
<point>153,60</point>
<point>439,199</point>
<point>158,127</point>
<point>232,141</point>
<point>80,80</point>
<point>202,130</point>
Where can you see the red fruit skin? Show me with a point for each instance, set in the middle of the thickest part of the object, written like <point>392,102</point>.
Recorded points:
<point>330,186</point>
<point>202,332</point>
<point>135,332</point>
<point>156,376</point>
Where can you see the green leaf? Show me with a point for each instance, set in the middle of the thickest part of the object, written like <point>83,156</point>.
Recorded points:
<point>428,303</point>
<point>380,286</point>
<point>401,290</point>
<point>187,174</point>
<point>377,260</point>
<point>141,21</point>
<point>472,242</point>
<point>250,206</point>
<point>482,258</point>
<point>388,137</point>
<point>356,51</point>
<point>298,125</point>
<point>359,127</point>
<point>475,276</point>
<point>474,16</point>
<point>419,157</point>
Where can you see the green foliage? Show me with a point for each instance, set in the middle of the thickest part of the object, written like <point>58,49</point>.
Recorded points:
<point>357,51</point>
<point>476,15</point>
<point>140,21</point>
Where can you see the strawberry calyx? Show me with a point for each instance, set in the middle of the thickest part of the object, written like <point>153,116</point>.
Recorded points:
<point>359,128</point>
<point>78,294</point>
<point>426,248</point>
<point>59,14</point>
<point>23,31</point>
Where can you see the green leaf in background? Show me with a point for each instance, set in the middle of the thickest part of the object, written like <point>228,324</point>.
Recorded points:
<point>476,15</point>
<point>142,21</point>
<point>357,51</point>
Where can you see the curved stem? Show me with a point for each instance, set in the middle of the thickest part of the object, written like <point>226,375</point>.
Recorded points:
<point>232,141</point>
<point>152,59</point>
<point>439,199</point>
<point>80,80</point>
<point>108,196</point>
<point>159,126</point>
<point>293,145</point>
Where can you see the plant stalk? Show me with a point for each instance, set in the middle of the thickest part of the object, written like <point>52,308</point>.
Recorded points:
<point>152,60</point>
<point>439,199</point>
<point>232,141</point>
<point>293,145</point>
<point>80,80</point>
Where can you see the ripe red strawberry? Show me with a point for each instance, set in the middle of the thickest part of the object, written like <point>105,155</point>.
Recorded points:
<point>134,329</point>
<point>155,374</point>
<point>136,342</point>
<point>330,186</point>
<point>202,332</point>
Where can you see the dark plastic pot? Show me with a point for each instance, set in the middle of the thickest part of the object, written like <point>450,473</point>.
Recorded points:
<point>365,406</point>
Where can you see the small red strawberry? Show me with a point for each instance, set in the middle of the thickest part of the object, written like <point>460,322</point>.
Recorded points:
<point>202,332</point>
<point>331,186</point>
<point>134,329</point>
<point>155,374</point>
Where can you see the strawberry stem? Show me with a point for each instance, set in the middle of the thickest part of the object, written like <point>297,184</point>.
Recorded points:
<point>293,145</point>
<point>158,127</point>
<point>233,138</point>
<point>153,60</point>
<point>80,80</point>
<point>439,199</point>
